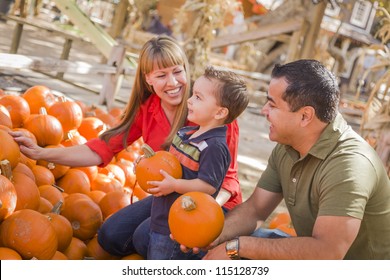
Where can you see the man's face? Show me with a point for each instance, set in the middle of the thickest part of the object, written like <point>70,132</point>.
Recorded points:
<point>284,124</point>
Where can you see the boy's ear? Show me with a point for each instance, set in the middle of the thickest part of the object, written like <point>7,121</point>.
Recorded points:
<point>222,113</point>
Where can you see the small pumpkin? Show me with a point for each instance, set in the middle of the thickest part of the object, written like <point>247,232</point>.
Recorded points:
<point>149,165</point>
<point>195,219</point>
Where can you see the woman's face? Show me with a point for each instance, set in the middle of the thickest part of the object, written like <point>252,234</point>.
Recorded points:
<point>169,84</point>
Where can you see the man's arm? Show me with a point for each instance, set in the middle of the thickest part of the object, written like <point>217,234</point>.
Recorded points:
<point>243,219</point>
<point>332,237</point>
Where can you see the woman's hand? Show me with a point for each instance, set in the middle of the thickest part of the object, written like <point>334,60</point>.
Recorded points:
<point>27,146</point>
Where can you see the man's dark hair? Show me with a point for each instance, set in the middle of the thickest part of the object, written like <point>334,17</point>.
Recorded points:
<point>310,84</point>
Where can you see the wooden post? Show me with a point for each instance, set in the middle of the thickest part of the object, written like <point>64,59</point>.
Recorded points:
<point>113,82</point>
<point>16,38</point>
<point>65,54</point>
<point>314,28</point>
<point>119,19</point>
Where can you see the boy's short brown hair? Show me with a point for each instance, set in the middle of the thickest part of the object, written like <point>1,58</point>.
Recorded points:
<point>232,92</point>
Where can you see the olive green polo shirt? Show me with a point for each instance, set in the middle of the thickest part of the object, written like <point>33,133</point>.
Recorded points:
<point>342,175</point>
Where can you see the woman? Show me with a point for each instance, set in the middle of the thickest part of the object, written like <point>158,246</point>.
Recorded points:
<point>156,110</point>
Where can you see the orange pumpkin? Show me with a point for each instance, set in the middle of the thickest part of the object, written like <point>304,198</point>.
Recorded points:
<point>39,96</point>
<point>287,228</point>
<point>77,249</point>
<point>30,234</point>
<point>75,181</point>
<point>195,219</point>
<point>43,176</point>
<point>8,197</point>
<point>91,127</point>
<point>17,107</point>
<point>84,215</point>
<point>52,193</point>
<point>279,219</point>
<point>62,227</point>
<point>96,195</point>
<point>9,149</point>
<point>106,183</point>
<point>46,128</point>
<point>5,117</point>
<point>59,256</point>
<point>128,169</point>
<point>91,171</point>
<point>116,171</point>
<point>58,170</point>
<point>96,252</point>
<point>149,165</point>
<point>113,201</point>
<point>45,206</point>
<point>68,113</point>
<point>26,191</point>
<point>9,254</point>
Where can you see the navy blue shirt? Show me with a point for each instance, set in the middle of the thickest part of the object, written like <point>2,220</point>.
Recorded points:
<point>206,157</point>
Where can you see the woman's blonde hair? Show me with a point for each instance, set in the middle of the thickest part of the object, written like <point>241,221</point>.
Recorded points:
<point>164,52</point>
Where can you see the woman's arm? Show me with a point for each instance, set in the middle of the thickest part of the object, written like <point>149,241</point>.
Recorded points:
<point>79,155</point>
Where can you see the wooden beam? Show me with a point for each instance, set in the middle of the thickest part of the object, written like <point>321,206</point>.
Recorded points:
<point>45,64</point>
<point>97,35</point>
<point>265,31</point>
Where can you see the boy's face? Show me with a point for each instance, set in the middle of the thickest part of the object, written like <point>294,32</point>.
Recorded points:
<point>202,106</point>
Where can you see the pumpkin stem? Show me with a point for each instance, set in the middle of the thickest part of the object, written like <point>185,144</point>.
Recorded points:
<point>187,203</point>
<point>57,207</point>
<point>58,188</point>
<point>148,151</point>
<point>6,169</point>
<point>42,111</point>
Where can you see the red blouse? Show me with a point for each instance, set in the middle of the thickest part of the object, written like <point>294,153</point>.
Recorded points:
<point>152,124</point>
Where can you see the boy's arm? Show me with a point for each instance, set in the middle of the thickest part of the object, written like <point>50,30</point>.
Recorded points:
<point>170,184</point>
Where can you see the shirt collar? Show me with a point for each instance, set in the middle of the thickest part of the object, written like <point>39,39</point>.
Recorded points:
<point>187,131</point>
<point>328,138</point>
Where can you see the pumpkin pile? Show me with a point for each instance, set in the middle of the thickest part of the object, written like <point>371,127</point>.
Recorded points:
<point>50,211</point>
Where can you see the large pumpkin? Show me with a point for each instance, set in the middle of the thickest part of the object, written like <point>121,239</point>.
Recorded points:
<point>68,113</point>
<point>39,96</point>
<point>149,165</point>
<point>30,234</point>
<point>84,215</point>
<point>47,129</point>
<point>195,219</point>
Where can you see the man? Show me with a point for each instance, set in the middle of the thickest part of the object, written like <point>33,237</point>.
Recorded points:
<point>334,184</point>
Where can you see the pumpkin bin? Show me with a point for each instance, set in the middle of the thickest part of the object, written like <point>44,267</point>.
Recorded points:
<point>195,219</point>
<point>149,165</point>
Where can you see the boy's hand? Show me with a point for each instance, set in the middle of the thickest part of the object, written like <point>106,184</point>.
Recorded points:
<point>164,187</point>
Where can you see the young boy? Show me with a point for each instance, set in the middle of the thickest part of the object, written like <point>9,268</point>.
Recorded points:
<point>219,97</point>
